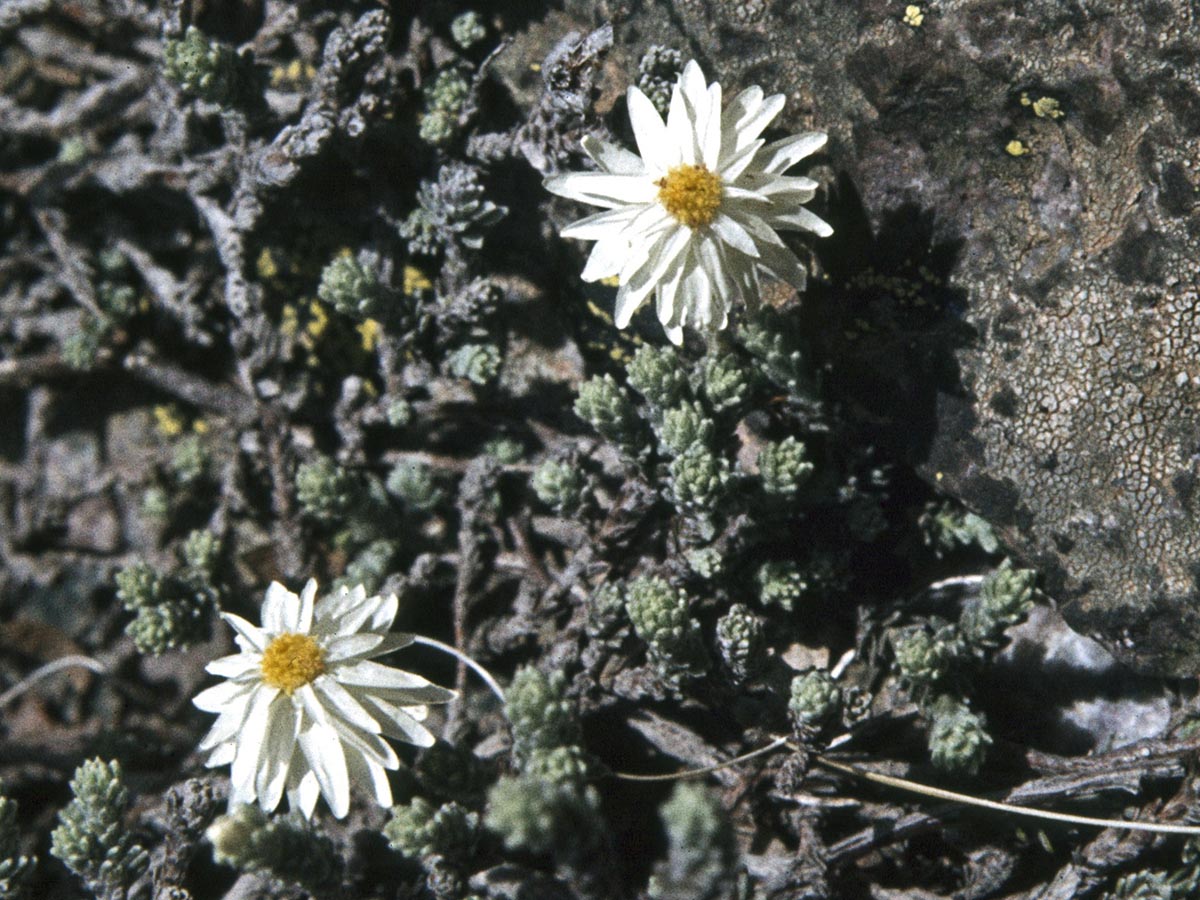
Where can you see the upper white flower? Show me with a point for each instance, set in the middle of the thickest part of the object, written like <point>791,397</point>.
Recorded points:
<point>304,709</point>
<point>694,219</point>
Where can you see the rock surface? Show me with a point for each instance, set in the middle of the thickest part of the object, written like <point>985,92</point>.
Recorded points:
<point>1027,174</point>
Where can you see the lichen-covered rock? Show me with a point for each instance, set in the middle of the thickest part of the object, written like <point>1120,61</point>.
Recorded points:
<point>1028,320</point>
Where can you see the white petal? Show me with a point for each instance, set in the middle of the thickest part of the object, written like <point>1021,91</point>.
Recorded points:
<point>756,120</point>
<point>220,697</point>
<point>681,129</point>
<point>667,292</point>
<point>323,751</point>
<point>339,700</point>
<point>710,137</point>
<point>251,634</point>
<point>728,230</point>
<point>386,607</point>
<point>277,754</point>
<point>598,226</point>
<point>735,164</point>
<point>783,264</point>
<point>602,189</point>
<point>399,724</point>
<point>251,743</point>
<point>277,609</point>
<point>607,258</point>
<point>642,283</point>
<point>674,334</point>
<point>311,703</point>
<point>372,676</point>
<point>694,86</point>
<point>392,642</point>
<point>348,646</point>
<point>303,789</point>
<point>744,105</point>
<point>802,219</point>
<point>611,158</point>
<point>371,775</point>
<point>234,666</point>
<point>363,613</point>
<point>649,132</point>
<point>304,619</point>
<point>222,756</point>
<point>371,746</point>
<point>786,153</point>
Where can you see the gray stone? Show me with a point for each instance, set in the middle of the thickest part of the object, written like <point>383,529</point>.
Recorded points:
<point>1028,176</point>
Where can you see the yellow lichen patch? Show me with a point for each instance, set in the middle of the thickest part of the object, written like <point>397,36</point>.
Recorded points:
<point>415,280</point>
<point>691,194</point>
<point>1016,148</point>
<point>296,74</point>
<point>292,661</point>
<point>612,281</point>
<point>369,330</point>
<point>289,322</point>
<point>1043,107</point>
<point>168,421</point>
<point>266,266</point>
<point>913,16</point>
<point>319,320</point>
<point>200,426</point>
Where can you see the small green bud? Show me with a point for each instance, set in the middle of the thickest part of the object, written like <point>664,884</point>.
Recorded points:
<point>815,697</point>
<point>922,658</point>
<point>947,527</point>
<point>478,363</point>
<point>1005,598</point>
<point>420,830</point>
<point>707,562</point>
<point>247,840</point>
<point>661,618</point>
<point>325,490</point>
<point>683,427</point>
<point>505,450</point>
<point>204,68</point>
<point>81,348</point>
<point>191,460</point>
<point>539,712</point>
<point>138,586</point>
<point>567,765</point>
<point>543,816</point>
<point>605,405</point>
<point>767,337</point>
<point>957,740</point>
<point>468,29</point>
<point>370,567</point>
<point>201,550</point>
<point>413,482</point>
<point>702,852</point>
<point>698,479</point>
<point>71,152</point>
<point>156,503</point>
<point>781,584</point>
<point>606,609</point>
<point>783,467</point>
<point>655,373</point>
<point>119,301</point>
<point>741,641</point>
<point>166,626</point>
<point>350,287</point>
<point>399,413</point>
<point>445,99</point>
<point>559,485</point>
<point>726,381</point>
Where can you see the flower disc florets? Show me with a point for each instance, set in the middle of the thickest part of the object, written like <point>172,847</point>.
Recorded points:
<point>693,218</point>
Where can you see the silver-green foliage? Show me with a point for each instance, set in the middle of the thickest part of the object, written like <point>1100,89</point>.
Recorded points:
<point>1005,598</point>
<point>606,406</point>
<point>559,485</point>
<point>540,713</point>
<point>351,287</point>
<point>701,854</point>
<point>478,363</point>
<point>741,642</point>
<point>815,697</point>
<point>288,851</point>
<point>698,480</point>
<point>656,374</point>
<point>781,584</point>
<point>684,426</point>
<point>204,68</point>
<point>783,467</point>
<point>419,829</point>
<point>15,869</point>
<point>958,740</point>
<point>661,618</point>
<point>92,839</point>
<point>445,99</point>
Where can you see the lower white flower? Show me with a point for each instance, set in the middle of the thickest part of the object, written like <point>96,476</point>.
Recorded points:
<point>304,709</point>
<point>695,218</point>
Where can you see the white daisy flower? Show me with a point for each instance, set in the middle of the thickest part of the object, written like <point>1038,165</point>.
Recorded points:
<point>694,219</point>
<point>304,710</point>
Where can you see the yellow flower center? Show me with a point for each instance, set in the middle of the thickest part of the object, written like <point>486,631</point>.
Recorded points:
<point>292,661</point>
<point>692,194</point>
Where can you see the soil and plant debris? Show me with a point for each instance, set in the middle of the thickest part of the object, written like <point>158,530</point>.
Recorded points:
<point>282,296</point>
